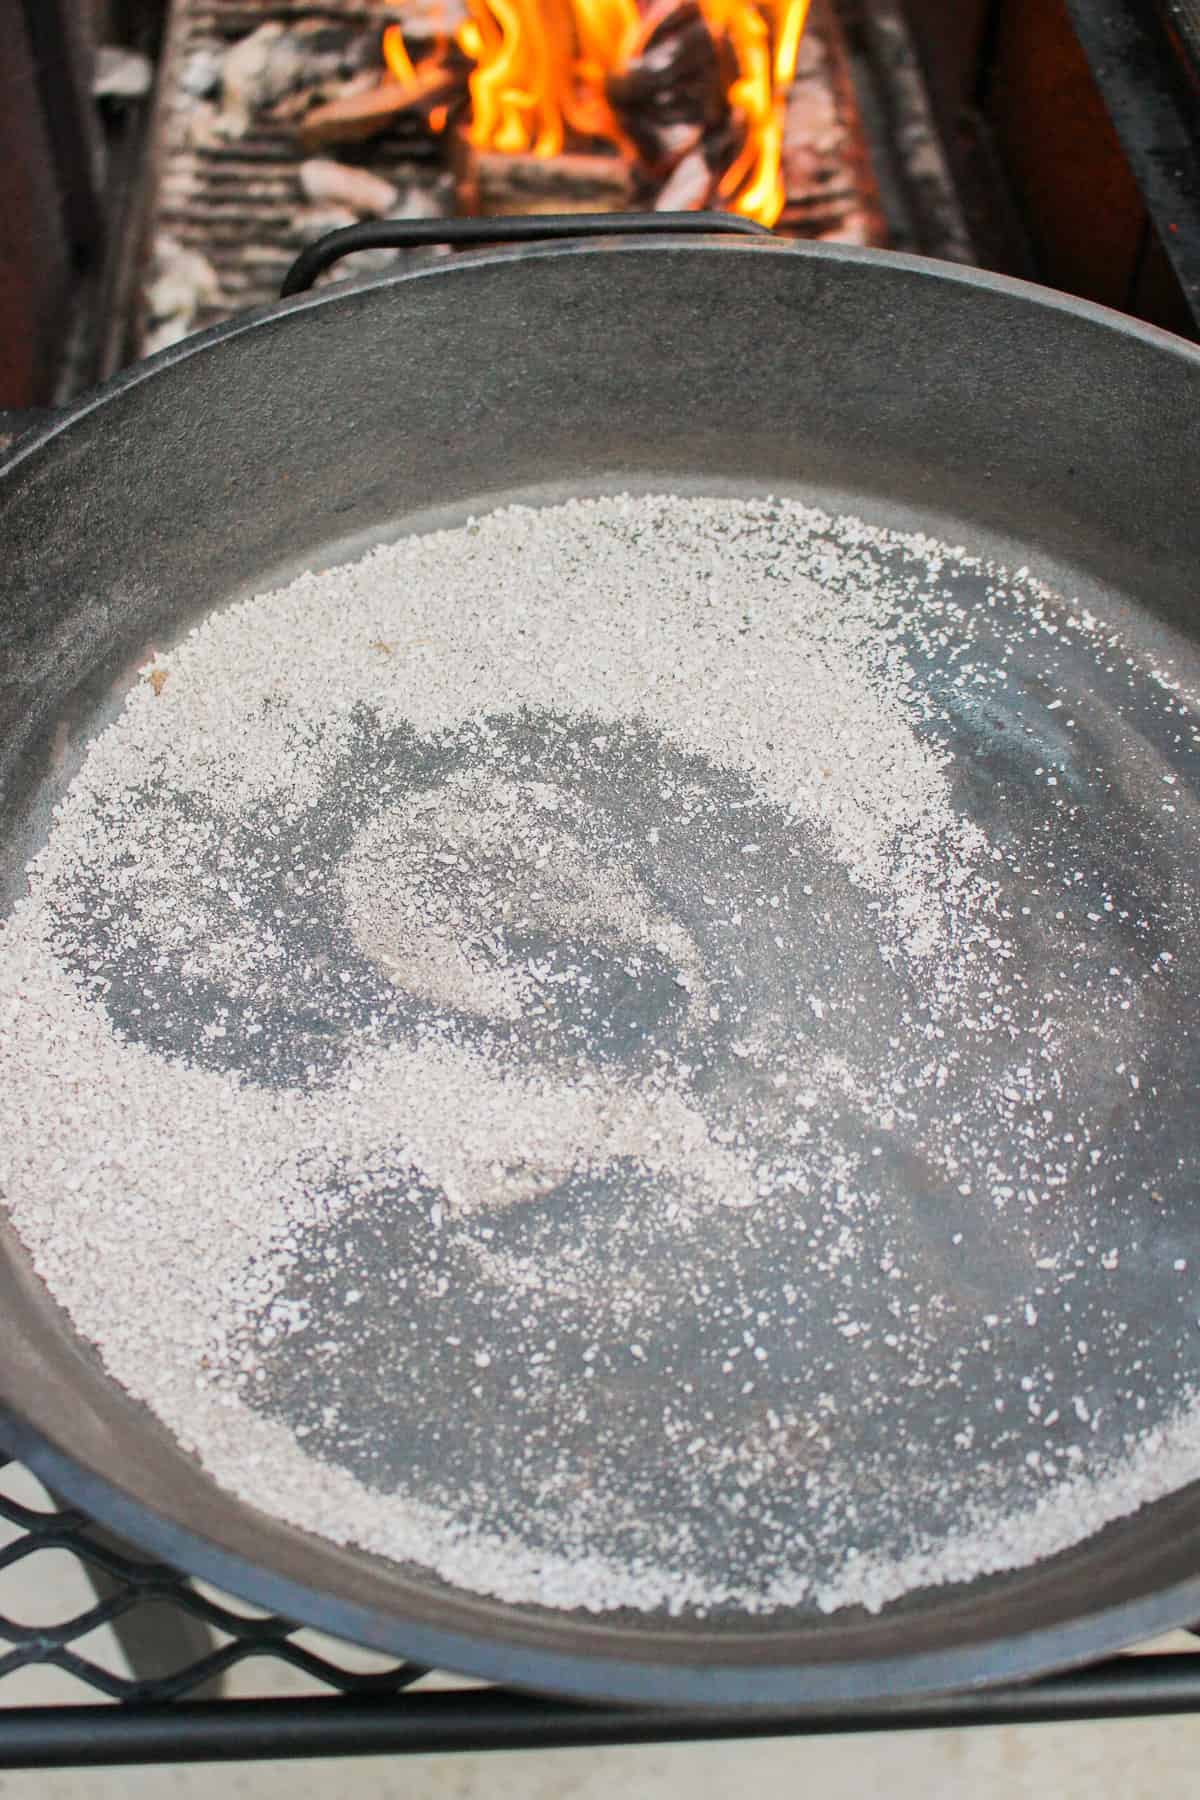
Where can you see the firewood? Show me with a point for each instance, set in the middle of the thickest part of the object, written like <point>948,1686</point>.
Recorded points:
<point>689,187</point>
<point>813,139</point>
<point>357,117</point>
<point>492,183</point>
<point>830,185</point>
<point>678,77</point>
<point>328,183</point>
<point>664,145</point>
<point>305,100</point>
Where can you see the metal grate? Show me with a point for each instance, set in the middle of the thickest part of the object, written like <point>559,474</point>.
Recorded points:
<point>184,1637</point>
<point>170,1709</point>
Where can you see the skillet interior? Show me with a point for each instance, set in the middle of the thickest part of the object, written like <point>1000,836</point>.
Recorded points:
<point>1036,429</point>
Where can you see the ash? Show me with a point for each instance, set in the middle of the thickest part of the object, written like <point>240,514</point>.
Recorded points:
<point>593,1052</point>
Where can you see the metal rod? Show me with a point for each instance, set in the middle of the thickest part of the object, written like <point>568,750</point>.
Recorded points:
<point>496,1719</point>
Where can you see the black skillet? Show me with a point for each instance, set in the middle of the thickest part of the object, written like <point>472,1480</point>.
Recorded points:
<point>1026,425</point>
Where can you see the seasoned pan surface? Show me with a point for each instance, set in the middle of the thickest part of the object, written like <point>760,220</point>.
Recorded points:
<point>1057,682</point>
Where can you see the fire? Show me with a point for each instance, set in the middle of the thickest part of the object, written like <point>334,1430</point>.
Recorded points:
<point>541,70</point>
<point>395,55</point>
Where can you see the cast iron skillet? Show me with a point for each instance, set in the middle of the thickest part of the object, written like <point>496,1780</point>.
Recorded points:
<point>1027,425</point>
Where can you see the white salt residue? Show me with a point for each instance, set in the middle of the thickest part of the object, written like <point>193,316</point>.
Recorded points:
<point>445,942</point>
<point>578,906</point>
<point>489,1137</point>
<point>614,611</point>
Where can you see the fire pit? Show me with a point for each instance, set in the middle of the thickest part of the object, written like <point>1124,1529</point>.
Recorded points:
<point>282,122</point>
<point>681,104</point>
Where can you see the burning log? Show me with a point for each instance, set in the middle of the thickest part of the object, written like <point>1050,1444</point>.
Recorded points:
<point>297,105</point>
<point>674,90</point>
<point>724,142</point>
<point>491,183</point>
<point>689,187</point>
<point>427,22</point>
<point>358,116</point>
<point>675,140</point>
<point>814,134</point>
<point>831,189</point>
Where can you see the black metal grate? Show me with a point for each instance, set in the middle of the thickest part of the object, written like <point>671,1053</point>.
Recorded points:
<point>184,1636</point>
<point>169,1708</point>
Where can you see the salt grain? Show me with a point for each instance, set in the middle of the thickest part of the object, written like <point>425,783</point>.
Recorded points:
<point>226,1042</point>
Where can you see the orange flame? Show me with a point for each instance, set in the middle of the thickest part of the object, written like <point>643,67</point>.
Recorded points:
<point>541,68</point>
<point>395,55</point>
<point>753,182</point>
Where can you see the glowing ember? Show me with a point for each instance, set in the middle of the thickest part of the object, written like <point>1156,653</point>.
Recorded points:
<point>542,69</point>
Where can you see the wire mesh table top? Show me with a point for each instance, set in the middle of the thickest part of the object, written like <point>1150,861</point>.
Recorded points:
<point>124,1583</point>
<point>146,1665</point>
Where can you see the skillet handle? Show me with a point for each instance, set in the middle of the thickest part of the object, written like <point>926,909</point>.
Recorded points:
<point>409,234</point>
